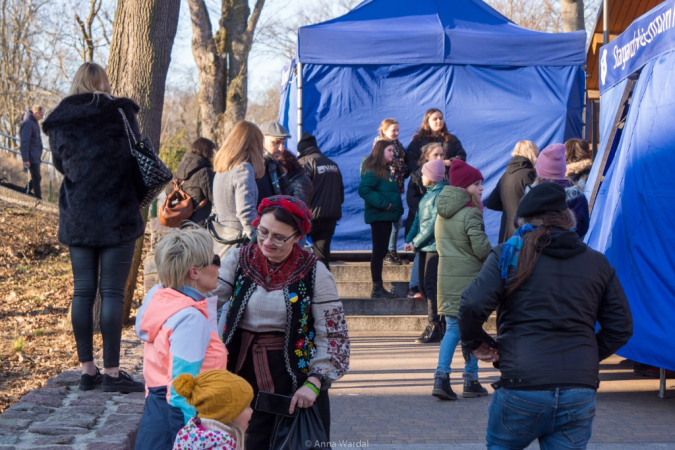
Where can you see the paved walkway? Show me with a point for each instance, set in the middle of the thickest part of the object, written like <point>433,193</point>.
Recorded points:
<point>385,402</point>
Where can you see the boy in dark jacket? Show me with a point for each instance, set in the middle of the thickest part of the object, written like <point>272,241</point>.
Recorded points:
<point>329,194</point>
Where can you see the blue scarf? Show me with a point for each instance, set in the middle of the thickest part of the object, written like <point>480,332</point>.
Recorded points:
<point>510,250</point>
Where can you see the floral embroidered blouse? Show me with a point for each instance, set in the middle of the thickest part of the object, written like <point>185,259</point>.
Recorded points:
<point>266,312</point>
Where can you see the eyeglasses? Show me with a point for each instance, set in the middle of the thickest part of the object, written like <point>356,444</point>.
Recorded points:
<point>276,240</point>
<point>215,261</point>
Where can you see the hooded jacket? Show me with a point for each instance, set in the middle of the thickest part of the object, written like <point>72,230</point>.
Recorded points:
<point>196,173</point>
<point>462,246</point>
<point>546,329</point>
<point>98,206</point>
<point>579,171</point>
<point>421,234</point>
<point>382,200</point>
<point>205,434</point>
<point>576,201</point>
<point>329,191</point>
<point>510,189</point>
<point>180,337</point>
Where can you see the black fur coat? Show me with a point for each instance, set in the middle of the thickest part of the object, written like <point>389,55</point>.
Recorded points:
<point>97,202</point>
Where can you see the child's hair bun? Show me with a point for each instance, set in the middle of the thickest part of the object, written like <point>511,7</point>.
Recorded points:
<point>184,384</point>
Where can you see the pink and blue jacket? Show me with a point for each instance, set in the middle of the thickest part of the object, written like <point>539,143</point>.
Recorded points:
<point>180,337</point>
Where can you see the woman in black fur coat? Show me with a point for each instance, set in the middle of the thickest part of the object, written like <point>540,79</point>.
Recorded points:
<point>99,214</point>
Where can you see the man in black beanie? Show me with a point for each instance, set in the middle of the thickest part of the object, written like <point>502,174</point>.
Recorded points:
<point>550,290</point>
<point>329,194</point>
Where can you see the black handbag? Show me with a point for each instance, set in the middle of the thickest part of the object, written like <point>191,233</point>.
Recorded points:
<point>150,173</point>
<point>300,432</point>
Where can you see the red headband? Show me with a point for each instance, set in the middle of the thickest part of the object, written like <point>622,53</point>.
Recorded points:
<point>296,208</point>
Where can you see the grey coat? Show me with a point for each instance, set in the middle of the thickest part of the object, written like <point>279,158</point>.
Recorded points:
<point>235,194</point>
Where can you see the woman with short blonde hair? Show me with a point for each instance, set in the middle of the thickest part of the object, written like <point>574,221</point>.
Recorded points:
<point>238,164</point>
<point>511,186</point>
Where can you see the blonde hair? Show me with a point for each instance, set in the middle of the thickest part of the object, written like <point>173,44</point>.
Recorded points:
<point>244,144</point>
<point>386,123</point>
<point>179,251</point>
<point>90,78</point>
<point>528,149</point>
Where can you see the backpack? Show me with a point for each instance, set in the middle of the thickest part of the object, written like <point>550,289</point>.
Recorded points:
<point>177,206</point>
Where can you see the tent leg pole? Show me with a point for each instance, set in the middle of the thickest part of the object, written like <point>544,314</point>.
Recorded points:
<point>662,383</point>
<point>299,68</point>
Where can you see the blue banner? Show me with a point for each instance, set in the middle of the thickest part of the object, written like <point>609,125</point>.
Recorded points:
<point>648,37</point>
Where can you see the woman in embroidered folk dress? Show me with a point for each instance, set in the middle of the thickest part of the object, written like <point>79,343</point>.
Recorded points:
<point>285,328</point>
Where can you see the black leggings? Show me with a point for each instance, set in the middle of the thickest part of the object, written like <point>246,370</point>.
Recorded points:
<point>428,273</point>
<point>380,233</point>
<point>115,263</point>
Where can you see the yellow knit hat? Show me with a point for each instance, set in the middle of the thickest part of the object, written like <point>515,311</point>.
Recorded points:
<point>216,394</point>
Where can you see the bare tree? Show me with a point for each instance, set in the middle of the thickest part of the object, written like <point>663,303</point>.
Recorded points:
<point>140,52</point>
<point>86,29</point>
<point>572,15</point>
<point>222,63</point>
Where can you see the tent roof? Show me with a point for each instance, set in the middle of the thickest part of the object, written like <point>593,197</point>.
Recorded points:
<point>434,32</point>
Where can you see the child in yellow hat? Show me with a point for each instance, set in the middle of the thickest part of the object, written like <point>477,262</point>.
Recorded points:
<point>222,400</point>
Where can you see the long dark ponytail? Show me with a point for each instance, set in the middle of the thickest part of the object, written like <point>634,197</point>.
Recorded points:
<point>535,241</point>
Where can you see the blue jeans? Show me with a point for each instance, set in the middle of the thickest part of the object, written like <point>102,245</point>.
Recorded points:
<point>393,238</point>
<point>448,346</point>
<point>415,275</point>
<point>558,418</point>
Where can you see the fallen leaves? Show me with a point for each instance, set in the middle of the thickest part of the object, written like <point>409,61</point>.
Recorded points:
<point>36,286</point>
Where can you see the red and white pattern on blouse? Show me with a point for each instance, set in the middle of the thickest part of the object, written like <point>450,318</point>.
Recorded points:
<point>338,339</point>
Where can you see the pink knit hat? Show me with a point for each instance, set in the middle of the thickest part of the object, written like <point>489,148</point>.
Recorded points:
<point>551,162</point>
<point>434,170</point>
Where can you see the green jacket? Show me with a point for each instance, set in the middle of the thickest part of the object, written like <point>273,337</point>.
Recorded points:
<point>462,246</point>
<point>378,193</point>
<point>421,234</point>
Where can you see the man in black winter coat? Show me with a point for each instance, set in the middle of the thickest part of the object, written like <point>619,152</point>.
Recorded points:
<point>549,290</point>
<point>274,182</point>
<point>329,194</point>
<point>31,147</point>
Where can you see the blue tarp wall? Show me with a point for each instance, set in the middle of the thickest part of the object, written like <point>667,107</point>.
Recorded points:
<point>634,213</point>
<point>495,82</point>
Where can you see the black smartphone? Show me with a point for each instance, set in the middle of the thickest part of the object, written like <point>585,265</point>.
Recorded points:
<point>274,403</point>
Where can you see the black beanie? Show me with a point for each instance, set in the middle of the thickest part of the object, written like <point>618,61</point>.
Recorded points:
<point>542,198</point>
<point>306,141</point>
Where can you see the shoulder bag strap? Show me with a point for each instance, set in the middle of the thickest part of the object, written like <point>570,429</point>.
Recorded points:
<point>127,129</point>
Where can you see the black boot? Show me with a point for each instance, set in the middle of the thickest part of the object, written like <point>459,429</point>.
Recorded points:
<point>393,258</point>
<point>432,333</point>
<point>442,389</point>
<point>380,292</point>
<point>473,389</point>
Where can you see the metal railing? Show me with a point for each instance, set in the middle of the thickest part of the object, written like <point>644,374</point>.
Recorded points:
<point>16,139</point>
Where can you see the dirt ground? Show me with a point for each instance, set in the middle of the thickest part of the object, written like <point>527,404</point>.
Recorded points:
<point>36,286</point>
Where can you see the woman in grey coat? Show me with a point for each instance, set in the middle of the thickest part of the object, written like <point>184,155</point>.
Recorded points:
<point>238,164</point>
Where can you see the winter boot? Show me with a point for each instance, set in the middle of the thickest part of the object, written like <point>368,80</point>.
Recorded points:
<point>473,389</point>
<point>442,389</point>
<point>393,258</point>
<point>432,333</point>
<point>380,292</point>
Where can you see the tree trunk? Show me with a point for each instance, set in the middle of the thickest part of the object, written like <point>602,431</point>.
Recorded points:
<point>140,53</point>
<point>222,63</point>
<point>572,15</point>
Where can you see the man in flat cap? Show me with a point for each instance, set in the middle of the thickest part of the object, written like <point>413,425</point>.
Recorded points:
<point>274,181</point>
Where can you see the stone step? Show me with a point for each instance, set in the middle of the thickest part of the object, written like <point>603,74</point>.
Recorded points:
<point>400,323</point>
<point>361,272</point>
<point>384,307</point>
<point>362,289</point>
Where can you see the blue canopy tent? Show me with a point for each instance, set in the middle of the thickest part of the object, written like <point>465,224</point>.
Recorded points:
<point>496,83</point>
<point>634,210</point>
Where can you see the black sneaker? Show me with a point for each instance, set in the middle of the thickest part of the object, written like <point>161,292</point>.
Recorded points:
<point>473,389</point>
<point>123,383</point>
<point>431,334</point>
<point>89,382</point>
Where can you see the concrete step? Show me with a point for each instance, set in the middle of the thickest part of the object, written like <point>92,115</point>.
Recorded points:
<point>399,323</point>
<point>384,307</point>
<point>362,289</point>
<point>361,272</point>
